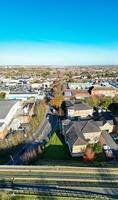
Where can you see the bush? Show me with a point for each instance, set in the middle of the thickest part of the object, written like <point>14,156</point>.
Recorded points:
<point>89,154</point>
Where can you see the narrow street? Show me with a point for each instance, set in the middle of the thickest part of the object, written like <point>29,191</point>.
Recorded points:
<point>43,133</point>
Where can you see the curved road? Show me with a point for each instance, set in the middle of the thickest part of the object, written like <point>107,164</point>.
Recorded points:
<point>43,133</point>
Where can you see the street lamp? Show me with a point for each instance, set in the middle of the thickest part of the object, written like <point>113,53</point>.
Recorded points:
<point>12,158</point>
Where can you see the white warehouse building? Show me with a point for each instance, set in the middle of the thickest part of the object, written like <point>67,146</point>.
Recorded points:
<point>8,109</point>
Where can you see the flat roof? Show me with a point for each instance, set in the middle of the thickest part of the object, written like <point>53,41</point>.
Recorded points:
<point>1,123</point>
<point>5,107</point>
<point>20,92</point>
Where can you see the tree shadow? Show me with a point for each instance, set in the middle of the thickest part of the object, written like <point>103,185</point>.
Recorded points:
<point>6,153</point>
<point>113,107</point>
<point>55,152</point>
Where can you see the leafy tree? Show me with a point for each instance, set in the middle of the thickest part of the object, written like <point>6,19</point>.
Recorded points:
<point>113,107</point>
<point>115,99</point>
<point>106,102</point>
<point>2,95</point>
<point>57,88</point>
<point>97,148</point>
<point>89,76</point>
<point>69,76</point>
<point>46,74</point>
<point>89,154</point>
<point>57,101</point>
<point>93,101</point>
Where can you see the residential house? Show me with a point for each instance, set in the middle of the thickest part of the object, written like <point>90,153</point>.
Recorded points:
<point>74,86</point>
<point>96,91</point>
<point>79,110</point>
<point>68,94</point>
<point>106,91</point>
<point>105,125</point>
<point>78,134</point>
<point>90,130</point>
<point>74,138</point>
<point>47,84</point>
<point>81,94</point>
<point>36,85</point>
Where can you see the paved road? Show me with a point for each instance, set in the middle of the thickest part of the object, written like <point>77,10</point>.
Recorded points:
<point>42,133</point>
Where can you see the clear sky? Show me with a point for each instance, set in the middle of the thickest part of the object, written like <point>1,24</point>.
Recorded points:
<point>59,32</point>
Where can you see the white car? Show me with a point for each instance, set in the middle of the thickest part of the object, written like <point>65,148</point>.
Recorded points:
<point>105,147</point>
<point>47,116</point>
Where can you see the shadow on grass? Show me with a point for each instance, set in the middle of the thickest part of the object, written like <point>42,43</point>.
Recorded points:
<point>61,137</point>
<point>57,152</point>
<point>7,152</point>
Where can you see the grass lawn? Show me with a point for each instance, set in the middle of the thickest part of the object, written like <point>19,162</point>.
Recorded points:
<point>11,196</point>
<point>56,149</point>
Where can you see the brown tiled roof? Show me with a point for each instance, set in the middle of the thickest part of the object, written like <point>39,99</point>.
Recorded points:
<point>74,131</point>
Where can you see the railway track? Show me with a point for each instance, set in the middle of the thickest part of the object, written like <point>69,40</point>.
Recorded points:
<point>55,191</point>
<point>57,180</point>
<point>57,168</point>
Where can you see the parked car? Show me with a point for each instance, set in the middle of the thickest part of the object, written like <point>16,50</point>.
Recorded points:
<point>108,152</point>
<point>115,137</point>
<point>105,147</point>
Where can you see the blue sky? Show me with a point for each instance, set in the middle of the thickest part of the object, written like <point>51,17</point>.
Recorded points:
<point>59,32</point>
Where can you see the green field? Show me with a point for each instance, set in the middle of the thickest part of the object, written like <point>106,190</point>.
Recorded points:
<point>8,196</point>
<point>56,149</point>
